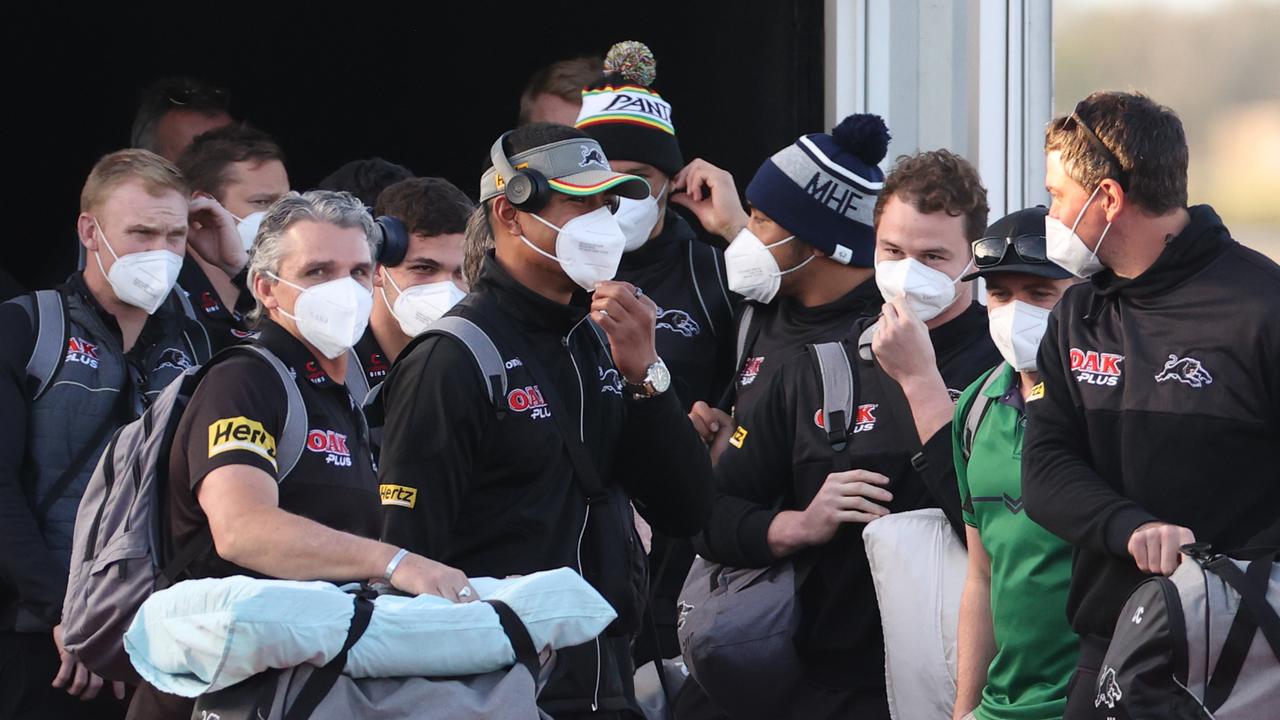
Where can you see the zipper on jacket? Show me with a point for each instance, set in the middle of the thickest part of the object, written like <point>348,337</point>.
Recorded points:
<point>582,402</point>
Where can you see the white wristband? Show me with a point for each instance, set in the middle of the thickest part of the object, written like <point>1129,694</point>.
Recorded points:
<point>395,563</point>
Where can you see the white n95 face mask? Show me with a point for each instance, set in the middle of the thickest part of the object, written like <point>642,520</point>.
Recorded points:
<point>420,305</point>
<point>248,226</point>
<point>637,219</point>
<point>1017,329</point>
<point>1064,247</point>
<point>588,247</point>
<point>927,291</point>
<point>141,279</point>
<point>752,270</point>
<point>332,315</point>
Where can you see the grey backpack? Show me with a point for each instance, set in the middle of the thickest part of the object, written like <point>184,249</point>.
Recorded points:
<point>737,626</point>
<point>117,550</point>
<point>1201,643</point>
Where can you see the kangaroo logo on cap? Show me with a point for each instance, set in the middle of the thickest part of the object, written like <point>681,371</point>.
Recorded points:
<point>591,156</point>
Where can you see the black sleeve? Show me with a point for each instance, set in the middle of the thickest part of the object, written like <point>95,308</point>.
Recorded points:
<point>754,472</point>
<point>244,301</point>
<point>937,467</point>
<point>664,466</point>
<point>436,412</point>
<point>1063,492</point>
<point>25,561</point>
<point>237,417</point>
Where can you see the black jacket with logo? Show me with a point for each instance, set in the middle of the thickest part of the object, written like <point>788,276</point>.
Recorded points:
<point>225,326</point>
<point>495,493</point>
<point>685,277</point>
<point>780,330</point>
<point>781,451</point>
<point>1160,399</point>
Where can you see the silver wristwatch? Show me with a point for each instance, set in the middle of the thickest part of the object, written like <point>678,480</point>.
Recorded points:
<point>657,378</point>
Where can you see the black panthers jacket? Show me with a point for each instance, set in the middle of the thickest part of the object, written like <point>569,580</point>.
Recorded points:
<point>494,492</point>
<point>1160,399</point>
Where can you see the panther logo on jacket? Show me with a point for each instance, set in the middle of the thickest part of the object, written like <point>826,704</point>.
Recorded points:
<point>174,358</point>
<point>678,321</point>
<point>1185,370</point>
<point>1096,368</point>
<point>610,381</point>
<point>1109,692</point>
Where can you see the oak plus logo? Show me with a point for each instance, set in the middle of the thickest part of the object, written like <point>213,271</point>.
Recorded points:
<point>528,399</point>
<point>1096,368</point>
<point>82,351</point>
<point>333,445</point>
<point>750,369</point>
<point>865,419</point>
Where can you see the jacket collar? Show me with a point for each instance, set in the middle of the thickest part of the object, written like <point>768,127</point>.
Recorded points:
<point>293,353</point>
<point>526,306</point>
<point>1184,255</point>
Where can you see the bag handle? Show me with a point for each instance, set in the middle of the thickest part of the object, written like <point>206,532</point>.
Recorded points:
<point>518,634</point>
<point>323,679</point>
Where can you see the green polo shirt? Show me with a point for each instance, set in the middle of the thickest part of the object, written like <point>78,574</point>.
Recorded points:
<point>1030,567</point>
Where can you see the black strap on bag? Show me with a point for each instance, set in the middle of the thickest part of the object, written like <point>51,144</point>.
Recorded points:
<point>518,634</point>
<point>322,679</point>
<point>1254,614</point>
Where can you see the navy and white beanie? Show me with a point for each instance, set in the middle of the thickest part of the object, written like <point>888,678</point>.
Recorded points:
<point>823,188</point>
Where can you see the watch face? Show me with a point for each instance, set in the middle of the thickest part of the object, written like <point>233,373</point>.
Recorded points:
<point>659,377</point>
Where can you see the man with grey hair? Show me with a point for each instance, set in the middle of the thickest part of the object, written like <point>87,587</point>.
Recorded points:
<point>311,276</point>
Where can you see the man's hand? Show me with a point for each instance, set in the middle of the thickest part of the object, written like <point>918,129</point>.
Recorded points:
<point>852,496</point>
<point>901,344</point>
<point>84,684</point>
<point>418,575</point>
<point>710,194</point>
<point>714,426</point>
<point>627,317</point>
<point>1156,546</point>
<point>212,234</point>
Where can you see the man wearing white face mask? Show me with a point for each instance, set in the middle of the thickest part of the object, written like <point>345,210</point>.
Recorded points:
<point>419,276</point>
<point>312,276</point>
<point>931,207</point>
<point>681,272</point>
<point>538,472</point>
<point>804,260</point>
<point>1015,656</point>
<point>77,363</point>
<point>243,169</point>
<point>1158,413</point>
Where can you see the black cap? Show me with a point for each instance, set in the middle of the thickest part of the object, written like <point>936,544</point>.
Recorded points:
<point>1018,224</point>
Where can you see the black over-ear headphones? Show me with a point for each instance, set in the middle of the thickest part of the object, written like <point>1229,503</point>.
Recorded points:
<point>393,243</point>
<point>527,189</point>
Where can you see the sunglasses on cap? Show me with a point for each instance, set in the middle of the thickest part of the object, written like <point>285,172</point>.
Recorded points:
<point>199,96</point>
<point>990,251</point>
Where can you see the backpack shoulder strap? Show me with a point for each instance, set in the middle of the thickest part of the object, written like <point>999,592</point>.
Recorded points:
<point>294,437</point>
<point>839,395</point>
<point>744,333</point>
<point>356,379</point>
<point>49,318</point>
<point>864,341</point>
<point>489,361</point>
<point>978,408</point>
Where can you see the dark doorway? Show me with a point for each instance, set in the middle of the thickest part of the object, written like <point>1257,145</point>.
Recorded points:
<point>427,85</point>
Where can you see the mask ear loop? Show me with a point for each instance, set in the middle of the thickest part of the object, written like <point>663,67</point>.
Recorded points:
<point>97,254</point>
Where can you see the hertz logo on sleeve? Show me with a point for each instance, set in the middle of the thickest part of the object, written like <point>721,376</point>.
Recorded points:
<point>241,433</point>
<point>398,495</point>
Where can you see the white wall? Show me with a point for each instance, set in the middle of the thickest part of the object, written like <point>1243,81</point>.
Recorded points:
<point>972,76</point>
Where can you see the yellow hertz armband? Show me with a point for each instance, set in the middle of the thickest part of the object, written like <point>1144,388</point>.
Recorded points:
<point>241,433</point>
<point>739,436</point>
<point>1037,392</point>
<point>398,495</point>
